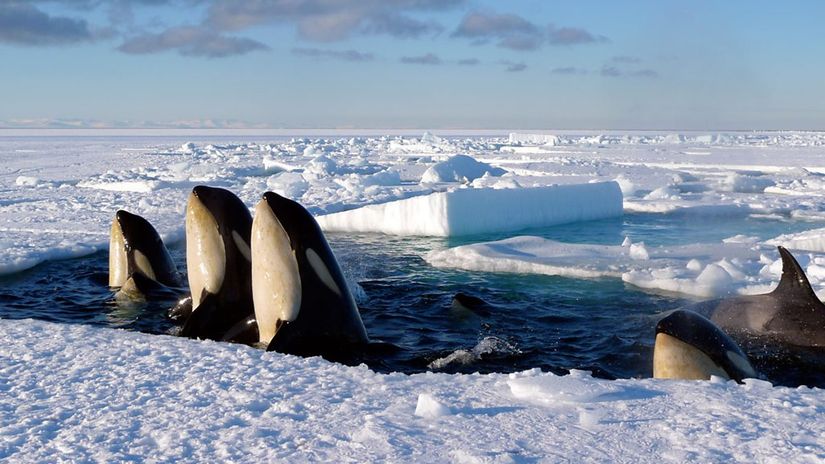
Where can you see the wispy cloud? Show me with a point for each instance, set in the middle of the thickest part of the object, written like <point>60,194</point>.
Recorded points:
<point>649,73</point>
<point>511,31</point>
<point>624,59</point>
<point>469,62</point>
<point>515,67</point>
<point>331,20</point>
<point>401,26</point>
<point>569,71</point>
<point>24,24</point>
<point>572,36</point>
<point>428,59</point>
<point>191,41</point>
<point>344,55</point>
<point>516,33</point>
<point>611,71</point>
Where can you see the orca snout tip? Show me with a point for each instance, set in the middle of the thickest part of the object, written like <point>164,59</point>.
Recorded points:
<point>200,191</point>
<point>127,219</point>
<point>272,197</point>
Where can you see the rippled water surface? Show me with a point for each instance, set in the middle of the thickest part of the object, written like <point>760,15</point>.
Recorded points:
<point>552,323</point>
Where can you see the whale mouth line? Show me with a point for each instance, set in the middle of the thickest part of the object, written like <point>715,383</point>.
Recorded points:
<point>205,250</point>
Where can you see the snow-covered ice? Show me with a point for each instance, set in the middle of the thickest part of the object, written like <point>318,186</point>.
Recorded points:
<point>704,270</point>
<point>81,393</point>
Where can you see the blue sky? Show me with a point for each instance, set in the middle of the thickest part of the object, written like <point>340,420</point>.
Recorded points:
<point>426,64</point>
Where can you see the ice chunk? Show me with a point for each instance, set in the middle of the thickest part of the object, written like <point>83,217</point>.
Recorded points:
<point>810,240</point>
<point>430,408</point>
<point>667,192</point>
<point>549,389</point>
<point>288,184</point>
<point>533,139</point>
<point>26,181</point>
<point>459,168</point>
<point>430,138</point>
<point>627,186</point>
<point>639,252</point>
<point>590,418</point>
<point>475,211</point>
<point>745,184</point>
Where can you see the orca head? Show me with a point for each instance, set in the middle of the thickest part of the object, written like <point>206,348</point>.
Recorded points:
<point>276,279</point>
<point>136,248</point>
<point>689,346</point>
<point>218,226</point>
<point>315,258</point>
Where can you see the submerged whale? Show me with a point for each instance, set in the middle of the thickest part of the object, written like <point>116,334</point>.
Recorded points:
<point>302,302</point>
<point>218,261</point>
<point>791,314</point>
<point>139,262</point>
<point>689,346</point>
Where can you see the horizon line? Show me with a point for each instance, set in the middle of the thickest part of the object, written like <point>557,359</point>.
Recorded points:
<point>321,131</point>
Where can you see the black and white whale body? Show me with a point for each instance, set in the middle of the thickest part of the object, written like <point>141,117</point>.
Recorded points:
<point>139,262</point>
<point>302,302</point>
<point>218,261</point>
<point>689,346</point>
<point>791,314</point>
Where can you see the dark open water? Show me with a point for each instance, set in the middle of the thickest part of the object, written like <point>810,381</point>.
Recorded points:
<point>553,323</point>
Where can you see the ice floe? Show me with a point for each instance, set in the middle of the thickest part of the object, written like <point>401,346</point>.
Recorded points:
<point>476,211</point>
<point>734,266</point>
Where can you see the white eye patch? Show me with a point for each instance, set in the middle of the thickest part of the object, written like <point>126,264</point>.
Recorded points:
<point>242,246</point>
<point>144,265</point>
<point>321,271</point>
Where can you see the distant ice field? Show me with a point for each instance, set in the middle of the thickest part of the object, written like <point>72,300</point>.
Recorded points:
<point>700,217</point>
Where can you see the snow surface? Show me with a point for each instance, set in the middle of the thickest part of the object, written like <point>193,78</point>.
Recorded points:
<point>87,394</point>
<point>92,394</point>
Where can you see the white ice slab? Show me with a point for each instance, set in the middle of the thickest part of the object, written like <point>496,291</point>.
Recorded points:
<point>533,139</point>
<point>734,266</point>
<point>477,211</point>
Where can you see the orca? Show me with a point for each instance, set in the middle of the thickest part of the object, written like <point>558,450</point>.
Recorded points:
<point>139,262</point>
<point>463,302</point>
<point>218,261</point>
<point>791,314</point>
<point>689,346</point>
<point>302,305</point>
